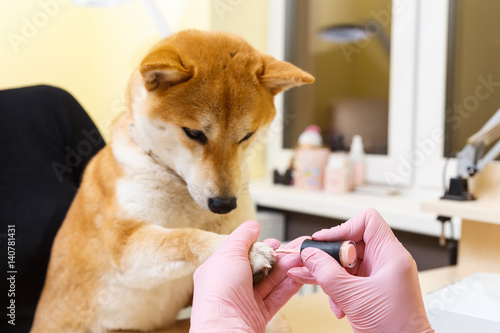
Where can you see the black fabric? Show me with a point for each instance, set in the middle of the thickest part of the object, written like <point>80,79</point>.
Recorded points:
<point>46,139</point>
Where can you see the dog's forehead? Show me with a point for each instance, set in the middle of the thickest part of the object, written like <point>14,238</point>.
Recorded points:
<point>206,48</point>
<point>224,89</point>
<point>227,87</point>
<point>237,117</point>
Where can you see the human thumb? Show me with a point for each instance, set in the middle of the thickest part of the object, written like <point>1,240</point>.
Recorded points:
<point>337,310</point>
<point>242,238</point>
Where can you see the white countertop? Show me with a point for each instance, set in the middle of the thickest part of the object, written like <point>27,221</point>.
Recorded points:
<point>402,212</point>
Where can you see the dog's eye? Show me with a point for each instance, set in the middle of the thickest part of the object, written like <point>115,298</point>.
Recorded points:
<point>195,135</point>
<point>248,136</point>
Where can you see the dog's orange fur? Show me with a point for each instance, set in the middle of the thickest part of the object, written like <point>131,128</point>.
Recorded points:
<point>135,233</point>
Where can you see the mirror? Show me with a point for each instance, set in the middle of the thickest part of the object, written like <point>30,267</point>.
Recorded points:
<point>345,45</point>
<point>473,82</point>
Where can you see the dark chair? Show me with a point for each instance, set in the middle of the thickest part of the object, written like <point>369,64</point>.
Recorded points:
<point>46,140</point>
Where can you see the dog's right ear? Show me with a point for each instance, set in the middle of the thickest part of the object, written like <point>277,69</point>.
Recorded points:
<point>278,76</point>
<point>163,67</point>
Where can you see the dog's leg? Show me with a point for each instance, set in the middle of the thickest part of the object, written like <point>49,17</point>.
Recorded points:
<point>148,254</point>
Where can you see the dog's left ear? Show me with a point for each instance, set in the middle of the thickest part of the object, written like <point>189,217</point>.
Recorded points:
<point>278,76</point>
<point>163,67</point>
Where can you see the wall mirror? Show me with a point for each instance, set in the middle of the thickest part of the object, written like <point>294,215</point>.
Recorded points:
<point>363,86</point>
<point>345,45</point>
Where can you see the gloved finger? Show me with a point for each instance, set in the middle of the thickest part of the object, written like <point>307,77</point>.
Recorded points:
<point>360,247</point>
<point>326,270</point>
<point>281,295</point>
<point>337,311</point>
<point>242,238</point>
<point>302,275</point>
<point>362,227</point>
<point>277,274</point>
<point>353,229</point>
<point>274,243</point>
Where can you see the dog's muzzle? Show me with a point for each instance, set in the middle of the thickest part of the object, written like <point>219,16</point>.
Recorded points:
<point>220,205</point>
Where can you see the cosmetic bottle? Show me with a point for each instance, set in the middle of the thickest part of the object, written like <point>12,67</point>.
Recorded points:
<point>337,174</point>
<point>310,160</point>
<point>309,169</point>
<point>357,161</point>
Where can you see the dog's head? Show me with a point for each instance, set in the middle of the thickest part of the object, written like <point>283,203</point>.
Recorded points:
<point>199,101</point>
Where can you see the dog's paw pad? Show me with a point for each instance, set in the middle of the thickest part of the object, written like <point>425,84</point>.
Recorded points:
<point>262,258</point>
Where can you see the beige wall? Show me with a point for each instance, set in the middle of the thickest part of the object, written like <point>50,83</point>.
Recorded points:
<point>91,51</point>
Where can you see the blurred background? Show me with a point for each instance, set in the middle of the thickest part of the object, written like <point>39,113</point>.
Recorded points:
<point>90,51</point>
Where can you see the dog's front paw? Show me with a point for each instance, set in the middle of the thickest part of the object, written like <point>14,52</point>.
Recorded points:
<point>262,258</point>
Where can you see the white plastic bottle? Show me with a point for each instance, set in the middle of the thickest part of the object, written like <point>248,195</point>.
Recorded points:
<point>337,174</point>
<point>357,161</point>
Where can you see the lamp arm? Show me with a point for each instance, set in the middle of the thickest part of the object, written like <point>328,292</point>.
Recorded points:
<point>470,158</point>
<point>493,153</point>
<point>376,29</point>
<point>489,133</point>
<point>150,6</point>
<point>157,18</point>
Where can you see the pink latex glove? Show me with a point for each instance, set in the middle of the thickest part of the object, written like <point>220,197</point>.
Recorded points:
<point>225,299</point>
<point>381,293</point>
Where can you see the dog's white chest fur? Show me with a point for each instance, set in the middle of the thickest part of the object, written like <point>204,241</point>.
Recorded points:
<point>150,194</point>
<point>160,201</point>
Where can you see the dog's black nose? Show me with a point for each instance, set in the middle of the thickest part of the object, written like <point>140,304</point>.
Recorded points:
<point>221,205</point>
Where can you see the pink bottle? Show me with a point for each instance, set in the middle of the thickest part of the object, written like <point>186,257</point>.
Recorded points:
<point>310,160</point>
<point>309,167</point>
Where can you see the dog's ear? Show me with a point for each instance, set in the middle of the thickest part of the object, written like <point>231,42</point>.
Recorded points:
<point>163,67</point>
<point>278,76</point>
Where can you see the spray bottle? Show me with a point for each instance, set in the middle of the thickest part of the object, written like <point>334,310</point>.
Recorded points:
<point>357,161</point>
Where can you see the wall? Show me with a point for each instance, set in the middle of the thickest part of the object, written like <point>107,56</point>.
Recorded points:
<point>91,51</point>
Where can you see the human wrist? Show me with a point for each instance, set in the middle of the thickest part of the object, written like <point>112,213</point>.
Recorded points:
<point>217,324</point>
<point>223,317</point>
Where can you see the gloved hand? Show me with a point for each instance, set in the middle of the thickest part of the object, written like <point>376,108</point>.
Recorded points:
<point>225,299</point>
<point>381,293</point>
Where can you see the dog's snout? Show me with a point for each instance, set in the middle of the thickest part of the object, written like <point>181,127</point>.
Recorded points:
<point>221,205</point>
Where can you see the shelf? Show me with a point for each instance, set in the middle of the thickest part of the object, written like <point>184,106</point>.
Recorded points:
<point>401,212</point>
<point>478,210</point>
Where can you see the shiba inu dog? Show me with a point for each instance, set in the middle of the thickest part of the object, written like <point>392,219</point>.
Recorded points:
<point>161,196</point>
